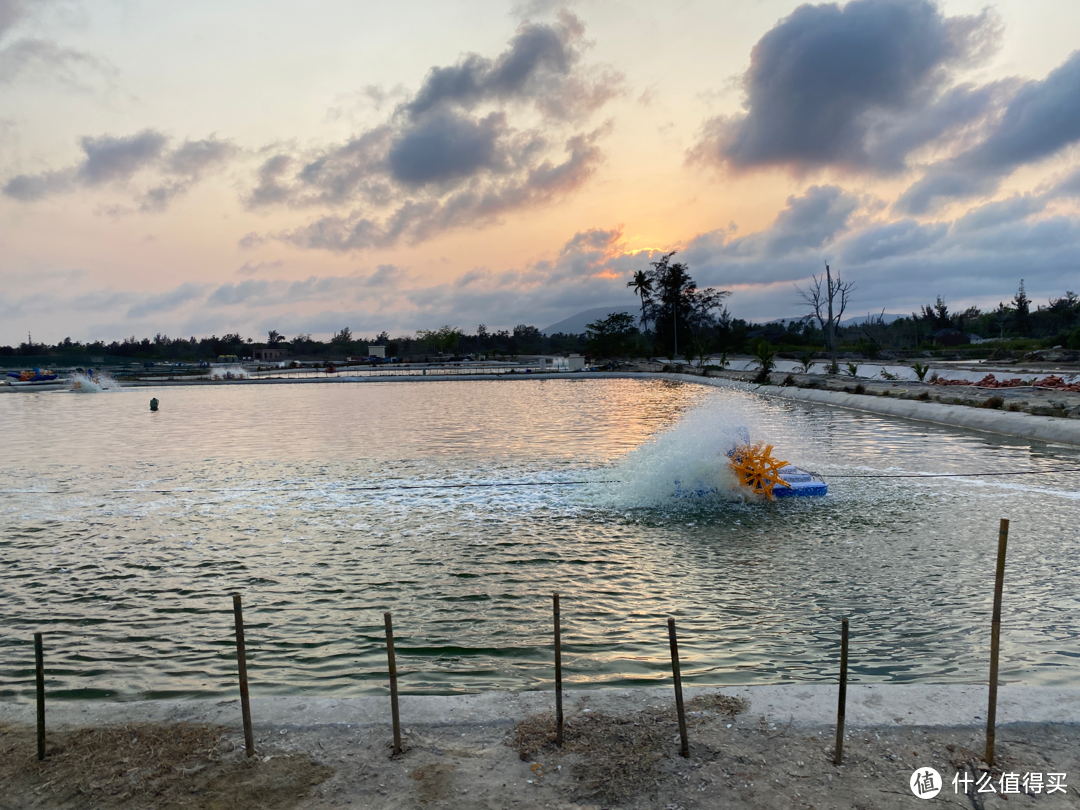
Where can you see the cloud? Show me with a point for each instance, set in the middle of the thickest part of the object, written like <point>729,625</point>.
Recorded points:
<point>900,238</point>
<point>537,67</point>
<point>445,146</point>
<point>807,224</point>
<point>479,138</point>
<point>193,158</point>
<point>1069,187</point>
<point>1040,120</point>
<point>250,241</point>
<point>116,160</point>
<point>46,59</point>
<point>11,13</point>
<point>29,187</point>
<point>249,269</point>
<point>270,190</point>
<point>43,58</point>
<point>478,203</point>
<point>859,86</point>
<point>228,294</point>
<point>977,258</point>
<point>167,301</point>
<point>810,221</point>
<point>1000,212</point>
<point>110,158</point>
<point>589,269</point>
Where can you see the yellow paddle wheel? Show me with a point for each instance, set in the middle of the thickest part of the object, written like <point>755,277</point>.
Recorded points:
<point>757,469</point>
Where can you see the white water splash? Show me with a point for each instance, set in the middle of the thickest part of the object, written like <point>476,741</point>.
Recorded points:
<point>689,459</point>
<point>99,382</point>
<point>233,372</point>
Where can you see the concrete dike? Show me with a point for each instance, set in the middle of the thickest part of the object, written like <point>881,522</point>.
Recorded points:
<point>1026,425</point>
<point>800,704</point>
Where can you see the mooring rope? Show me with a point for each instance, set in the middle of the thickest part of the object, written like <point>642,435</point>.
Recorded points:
<point>501,484</point>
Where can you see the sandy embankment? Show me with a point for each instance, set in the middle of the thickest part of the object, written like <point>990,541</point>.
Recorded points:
<point>621,750</point>
<point>1062,430</point>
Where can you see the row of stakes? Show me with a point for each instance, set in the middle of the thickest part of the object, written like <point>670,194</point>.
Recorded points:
<point>684,744</point>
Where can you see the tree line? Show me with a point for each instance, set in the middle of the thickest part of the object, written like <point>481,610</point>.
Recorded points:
<point>677,318</point>
<point>447,340</point>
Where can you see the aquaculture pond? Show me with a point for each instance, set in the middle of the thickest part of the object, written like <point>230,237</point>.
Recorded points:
<point>460,507</point>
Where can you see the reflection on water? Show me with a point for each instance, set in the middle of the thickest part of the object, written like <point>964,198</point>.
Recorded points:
<point>123,532</point>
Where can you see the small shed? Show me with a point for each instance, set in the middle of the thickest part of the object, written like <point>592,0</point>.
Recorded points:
<point>376,351</point>
<point>575,362</point>
<point>268,355</point>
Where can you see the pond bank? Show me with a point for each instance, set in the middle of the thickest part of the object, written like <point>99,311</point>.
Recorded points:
<point>620,751</point>
<point>802,704</point>
<point>1010,423</point>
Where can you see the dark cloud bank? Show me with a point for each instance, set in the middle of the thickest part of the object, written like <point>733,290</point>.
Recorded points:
<point>873,87</point>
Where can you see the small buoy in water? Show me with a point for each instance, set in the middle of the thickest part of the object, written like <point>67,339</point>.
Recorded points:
<point>153,404</point>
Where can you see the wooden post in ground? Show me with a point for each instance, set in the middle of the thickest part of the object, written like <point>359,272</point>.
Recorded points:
<point>558,675</point>
<point>684,744</point>
<point>842,700</point>
<point>392,662</point>
<point>995,639</point>
<point>39,661</point>
<point>241,665</point>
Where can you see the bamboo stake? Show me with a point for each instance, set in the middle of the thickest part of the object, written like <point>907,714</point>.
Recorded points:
<point>842,700</point>
<point>241,665</point>
<point>39,660</point>
<point>392,662</point>
<point>684,745</point>
<point>558,675</point>
<point>995,640</point>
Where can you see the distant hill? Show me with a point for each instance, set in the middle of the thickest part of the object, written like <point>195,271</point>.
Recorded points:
<point>861,319</point>
<point>576,324</point>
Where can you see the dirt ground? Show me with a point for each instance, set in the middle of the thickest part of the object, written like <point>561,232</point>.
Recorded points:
<point>628,761</point>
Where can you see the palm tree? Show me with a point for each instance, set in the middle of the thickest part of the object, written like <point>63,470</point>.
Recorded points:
<point>766,358</point>
<point>643,288</point>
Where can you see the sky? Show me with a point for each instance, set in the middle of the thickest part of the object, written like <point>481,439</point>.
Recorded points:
<point>202,167</point>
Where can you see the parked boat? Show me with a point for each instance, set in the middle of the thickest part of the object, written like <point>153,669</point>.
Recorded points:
<point>36,380</point>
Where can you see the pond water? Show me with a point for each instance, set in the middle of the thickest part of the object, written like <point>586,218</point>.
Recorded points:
<point>123,532</point>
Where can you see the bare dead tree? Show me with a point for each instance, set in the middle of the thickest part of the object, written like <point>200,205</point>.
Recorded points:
<point>827,298</point>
